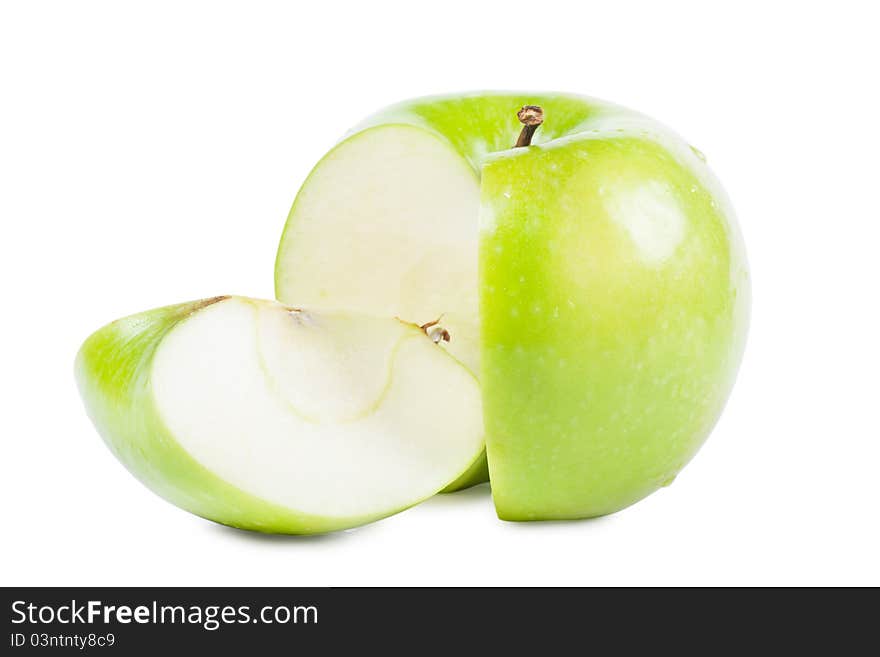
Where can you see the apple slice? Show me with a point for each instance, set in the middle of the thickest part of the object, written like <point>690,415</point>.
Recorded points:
<point>274,419</point>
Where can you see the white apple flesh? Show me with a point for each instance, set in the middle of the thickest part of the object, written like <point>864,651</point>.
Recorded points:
<point>385,224</point>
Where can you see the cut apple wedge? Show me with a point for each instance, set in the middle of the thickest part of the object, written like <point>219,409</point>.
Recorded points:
<point>276,419</point>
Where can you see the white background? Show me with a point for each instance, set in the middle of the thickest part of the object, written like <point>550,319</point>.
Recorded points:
<point>149,153</point>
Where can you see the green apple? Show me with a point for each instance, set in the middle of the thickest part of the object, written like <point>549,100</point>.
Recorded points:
<point>274,419</point>
<point>594,280</point>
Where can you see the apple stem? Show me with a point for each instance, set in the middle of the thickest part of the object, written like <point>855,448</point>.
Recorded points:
<point>531,116</point>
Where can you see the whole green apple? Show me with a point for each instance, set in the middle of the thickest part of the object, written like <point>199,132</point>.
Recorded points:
<point>280,420</point>
<point>594,278</point>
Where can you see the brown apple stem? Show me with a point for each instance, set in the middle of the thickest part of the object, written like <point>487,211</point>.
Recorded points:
<point>531,116</point>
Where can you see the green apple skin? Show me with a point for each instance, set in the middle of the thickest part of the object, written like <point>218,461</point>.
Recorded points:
<point>614,297</point>
<point>113,374</point>
<point>477,474</point>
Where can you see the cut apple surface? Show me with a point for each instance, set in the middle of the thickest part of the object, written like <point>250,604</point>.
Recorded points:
<point>385,224</point>
<point>276,419</point>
